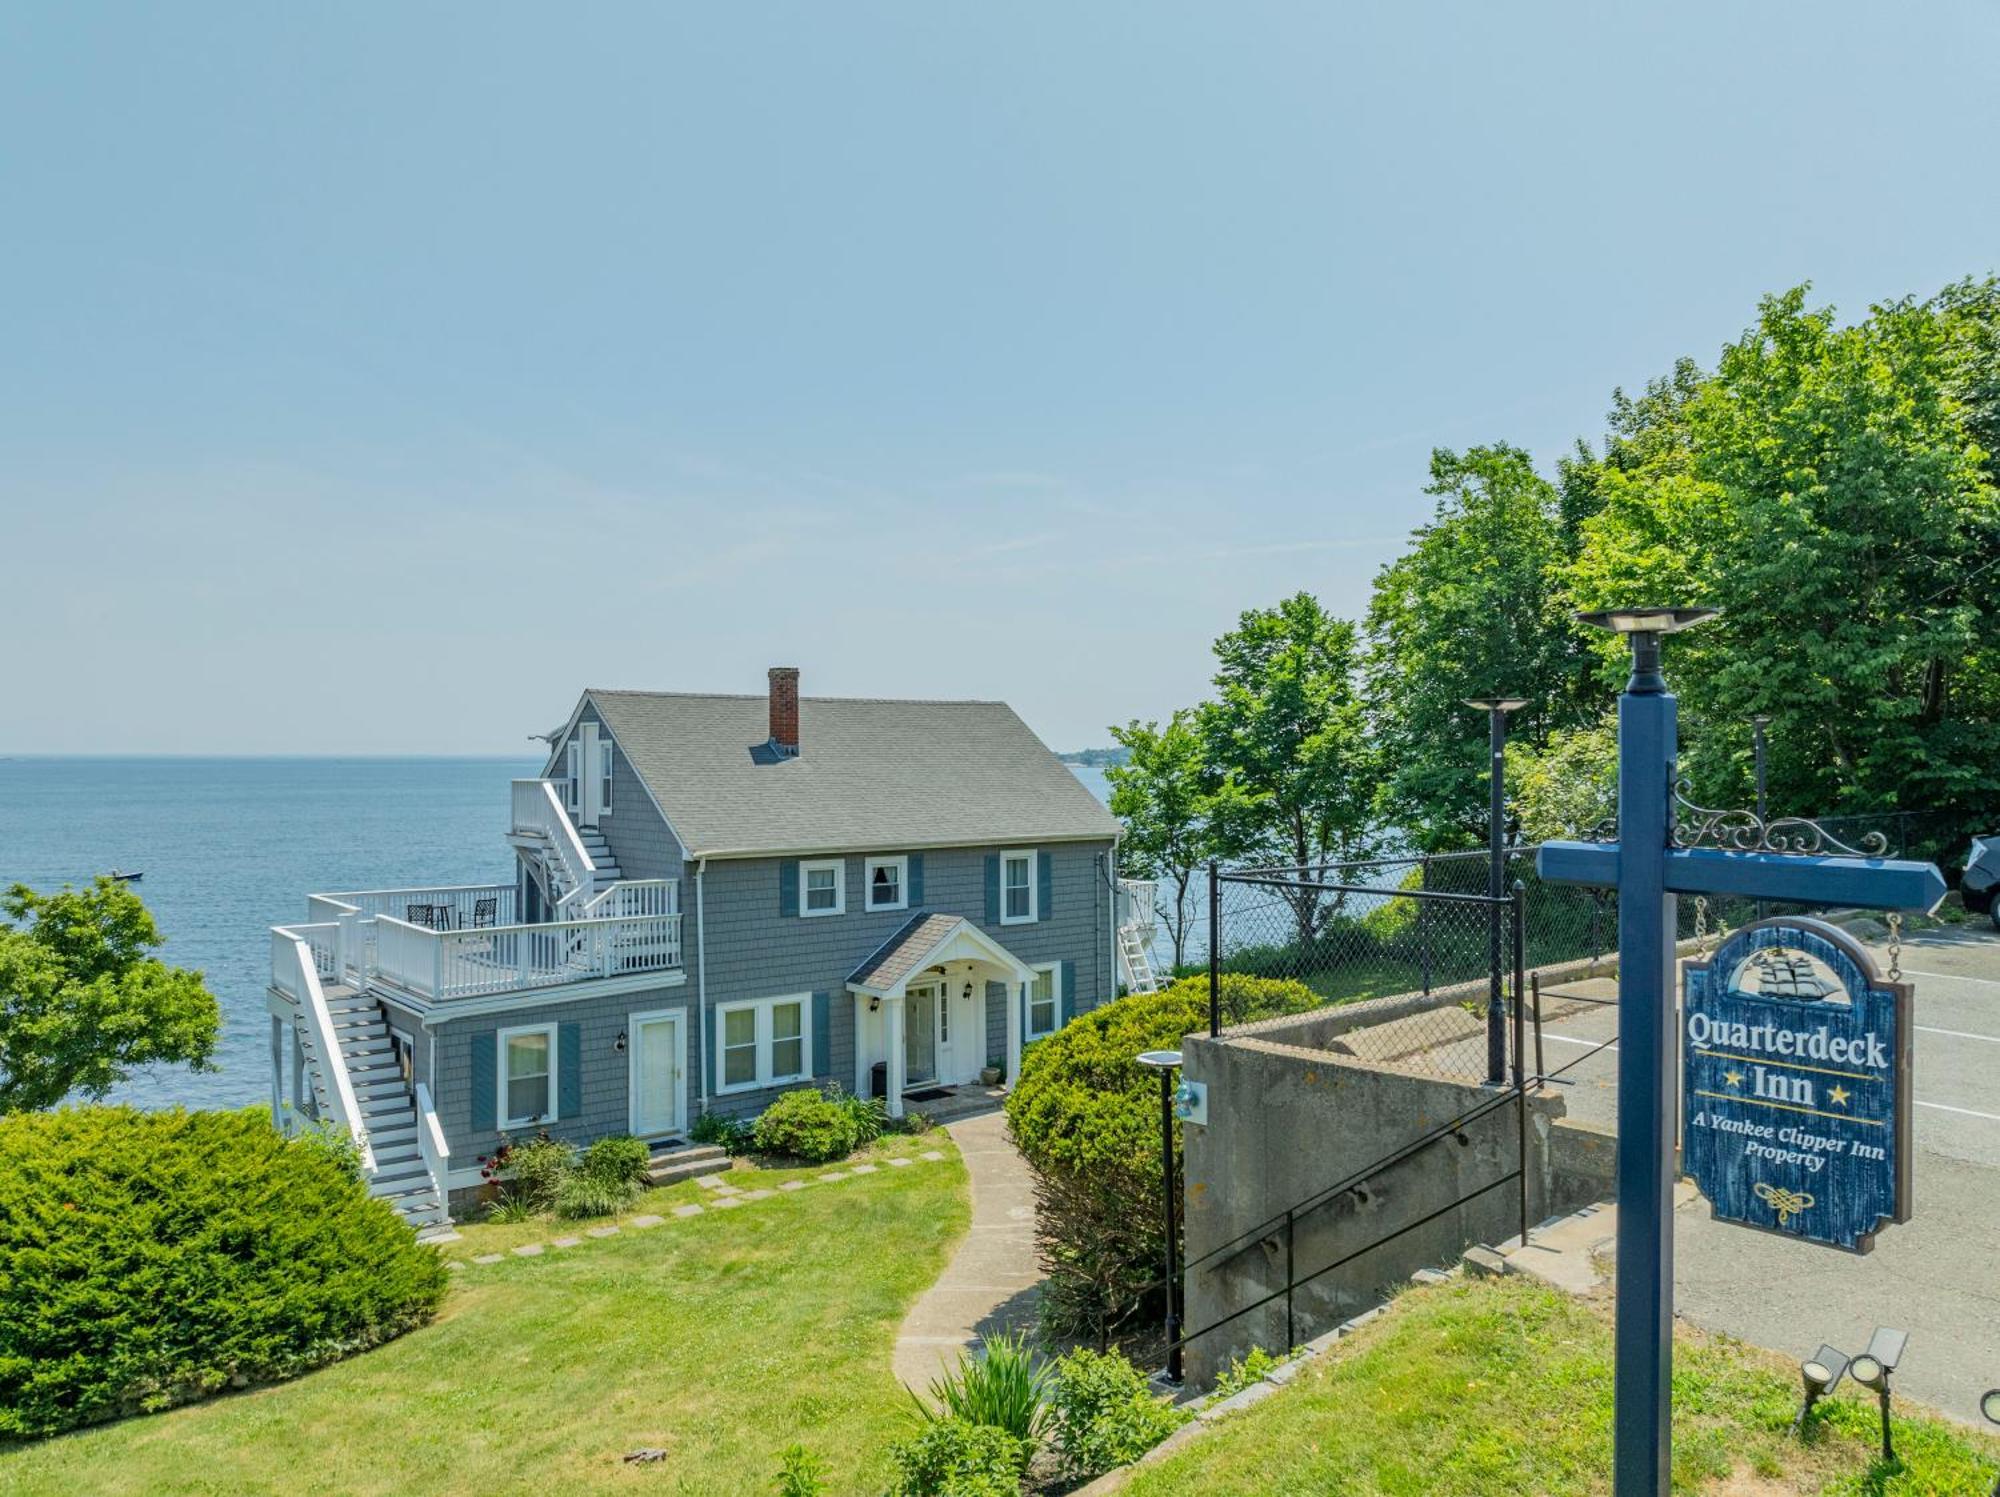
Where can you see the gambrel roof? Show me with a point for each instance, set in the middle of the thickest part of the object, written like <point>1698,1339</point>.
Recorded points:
<point>870,775</point>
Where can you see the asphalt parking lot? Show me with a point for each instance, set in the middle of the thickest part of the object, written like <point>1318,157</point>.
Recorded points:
<point>1938,1275</point>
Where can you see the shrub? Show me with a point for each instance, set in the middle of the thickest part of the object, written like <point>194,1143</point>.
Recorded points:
<point>1086,1116</point>
<point>539,1168</point>
<point>805,1125</point>
<point>1003,1387</point>
<point>954,1458</point>
<point>732,1134</point>
<point>868,1115</point>
<point>1102,1414</point>
<point>619,1161</point>
<point>582,1194</point>
<point>800,1473</point>
<point>151,1258</point>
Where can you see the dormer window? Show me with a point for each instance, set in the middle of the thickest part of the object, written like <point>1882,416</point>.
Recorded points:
<point>888,883</point>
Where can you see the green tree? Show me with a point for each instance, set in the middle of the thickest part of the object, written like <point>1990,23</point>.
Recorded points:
<point>81,1002</point>
<point>1829,495</point>
<point>1472,609</point>
<point>1569,786</point>
<point>1288,726</point>
<point>1177,813</point>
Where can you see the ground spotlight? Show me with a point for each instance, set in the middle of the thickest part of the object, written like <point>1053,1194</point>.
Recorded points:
<point>1821,1373</point>
<point>1872,1369</point>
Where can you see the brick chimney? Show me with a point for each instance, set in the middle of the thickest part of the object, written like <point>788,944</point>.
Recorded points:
<point>785,709</point>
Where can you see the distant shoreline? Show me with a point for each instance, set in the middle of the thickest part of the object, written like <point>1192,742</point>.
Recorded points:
<point>1097,758</point>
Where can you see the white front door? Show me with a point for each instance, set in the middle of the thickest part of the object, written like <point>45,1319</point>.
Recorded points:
<point>960,1039</point>
<point>659,1075</point>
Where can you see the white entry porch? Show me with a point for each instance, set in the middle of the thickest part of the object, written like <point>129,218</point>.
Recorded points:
<point>925,1005</point>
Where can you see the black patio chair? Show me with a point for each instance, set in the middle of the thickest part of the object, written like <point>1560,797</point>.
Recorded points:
<point>421,914</point>
<point>484,911</point>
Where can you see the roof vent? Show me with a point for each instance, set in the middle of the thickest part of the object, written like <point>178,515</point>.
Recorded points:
<point>785,710</point>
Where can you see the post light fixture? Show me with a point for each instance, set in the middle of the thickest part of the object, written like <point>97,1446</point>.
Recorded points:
<point>1496,710</point>
<point>1821,1373</point>
<point>618,1045</point>
<point>1872,1369</point>
<point>1166,1062</point>
<point>1645,626</point>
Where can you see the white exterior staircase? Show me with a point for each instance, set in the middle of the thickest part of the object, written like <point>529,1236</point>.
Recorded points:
<point>388,1108</point>
<point>1136,961</point>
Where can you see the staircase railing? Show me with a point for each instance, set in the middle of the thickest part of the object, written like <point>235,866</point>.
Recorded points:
<point>538,811</point>
<point>324,1047</point>
<point>432,1148</point>
<point>633,899</point>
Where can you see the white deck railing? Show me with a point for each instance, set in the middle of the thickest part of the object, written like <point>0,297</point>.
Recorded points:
<point>431,1147</point>
<point>634,898</point>
<point>294,970</point>
<point>455,906</point>
<point>445,964</point>
<point>1135,904</point>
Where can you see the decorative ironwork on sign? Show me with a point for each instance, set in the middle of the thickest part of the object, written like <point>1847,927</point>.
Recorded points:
<point>1746,831</point>
<point>1797,1094</point>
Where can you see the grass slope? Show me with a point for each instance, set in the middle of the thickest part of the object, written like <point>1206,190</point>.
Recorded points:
<point>1503,1389</point>
<point>720,1338</point>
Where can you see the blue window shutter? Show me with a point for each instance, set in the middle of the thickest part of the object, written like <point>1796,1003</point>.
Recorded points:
<point>569,1070</point>
<point>788,886</point>
<point>822,1034</point>
<point>1066,1000</point>
<point>485,1080</point>
<point>993,888</point>
<point>916,880</point>
<point>1045,877</point>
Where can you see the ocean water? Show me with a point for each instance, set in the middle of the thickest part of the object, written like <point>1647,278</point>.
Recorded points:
<point>231,847</point>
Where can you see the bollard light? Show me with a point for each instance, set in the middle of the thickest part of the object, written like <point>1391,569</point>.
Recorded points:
<point>1166,1062</point>
<point>1872,1369</point>
<point>1821,1373</point>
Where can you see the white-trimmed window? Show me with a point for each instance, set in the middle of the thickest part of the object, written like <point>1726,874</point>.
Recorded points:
<point>888,883</point>
<point>764,1042</point>
<point>1017,888</point>
<point>823,887</point>
<point>527,1075</point>
<point>573,775</point>
<point>604,762</point>
<point>1044,1001</point>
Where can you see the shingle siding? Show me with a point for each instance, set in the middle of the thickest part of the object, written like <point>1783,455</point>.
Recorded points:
<point>754,951</point>
<point>640,838</point>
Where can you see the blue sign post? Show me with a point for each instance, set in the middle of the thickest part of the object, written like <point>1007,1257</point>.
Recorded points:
<point>1796,1100</point>
<point>1649,871</point>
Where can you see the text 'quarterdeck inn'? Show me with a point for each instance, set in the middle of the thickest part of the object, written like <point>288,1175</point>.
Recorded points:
<point>715,899</point>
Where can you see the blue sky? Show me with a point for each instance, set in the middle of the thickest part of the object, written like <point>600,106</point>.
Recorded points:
<point>377,376</point>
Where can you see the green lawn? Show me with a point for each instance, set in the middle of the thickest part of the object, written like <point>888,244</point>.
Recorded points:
<point>720,1338</point>
<point>1503,1389</point>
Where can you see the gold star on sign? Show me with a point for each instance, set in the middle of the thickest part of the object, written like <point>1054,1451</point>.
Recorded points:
<point>1734,1078</point>
<point>1838,1096</point>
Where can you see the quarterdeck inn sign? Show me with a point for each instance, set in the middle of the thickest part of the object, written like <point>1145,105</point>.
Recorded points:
<point>1796,1084</point>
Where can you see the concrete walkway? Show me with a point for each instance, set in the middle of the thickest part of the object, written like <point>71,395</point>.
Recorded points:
<point>992,1281</point>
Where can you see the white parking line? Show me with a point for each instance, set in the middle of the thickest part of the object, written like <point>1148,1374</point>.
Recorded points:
<point>1567,1040</point>
<point>1953,977</point>
<point>1991,1117</point>
<point>1959,1034</point>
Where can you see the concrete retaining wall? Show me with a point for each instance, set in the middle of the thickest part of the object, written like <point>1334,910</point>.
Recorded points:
<point>1286,1120</point>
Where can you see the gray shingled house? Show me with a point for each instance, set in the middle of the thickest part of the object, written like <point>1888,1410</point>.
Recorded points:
<point>715,899</point>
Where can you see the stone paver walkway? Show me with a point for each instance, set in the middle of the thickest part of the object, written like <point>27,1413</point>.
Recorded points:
<point>991,1283</point>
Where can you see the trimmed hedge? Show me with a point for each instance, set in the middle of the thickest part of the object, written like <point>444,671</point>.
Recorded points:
<point>1086,1117</point>
<point>151,1258</point>
<point>806,1125</point>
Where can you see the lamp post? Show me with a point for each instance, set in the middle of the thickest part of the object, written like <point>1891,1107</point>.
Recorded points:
<point>1647,1051</point>
<point>1496,710</point>
<point>1165,1062</point>
<point>1757,726</point>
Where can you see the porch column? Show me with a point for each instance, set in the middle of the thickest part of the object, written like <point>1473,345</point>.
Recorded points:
<point>1016,993</point>
<point>892,1011</point>
<point>277,1073</point>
